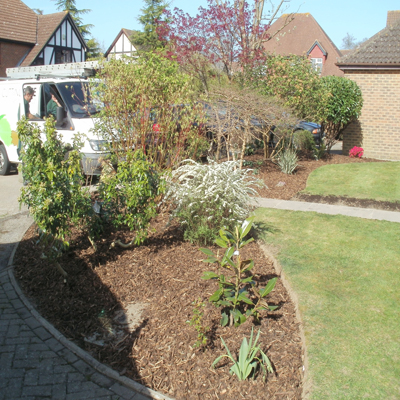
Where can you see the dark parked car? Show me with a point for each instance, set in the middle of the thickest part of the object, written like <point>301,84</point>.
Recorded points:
<point>314,128</point>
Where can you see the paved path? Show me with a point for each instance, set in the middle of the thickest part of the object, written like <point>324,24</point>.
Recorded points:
<point>368,213</point>
<point>36,361</point>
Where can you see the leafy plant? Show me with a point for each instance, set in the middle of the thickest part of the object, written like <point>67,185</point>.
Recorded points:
<point>303,140</point>
<point>150,106</point>
<point>249,149</point>
<point>342,106</point>
<point>130,194</point>
<point>197,322</point>
<point>247,163</point>
<point>237,294</point>
<point>251,164</point>
<point>247,361</point>
<point>53,190</point>
<point>208,196</point>
<point>291,79</point>
<point>320,151</point>
<point>200,227</point>
<point>288,161</point>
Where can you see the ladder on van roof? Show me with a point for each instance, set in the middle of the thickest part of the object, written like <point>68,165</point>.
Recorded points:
<point>70,70</point>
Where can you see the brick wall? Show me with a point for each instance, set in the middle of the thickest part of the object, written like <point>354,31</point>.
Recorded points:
<point>378,129</point>
<point>10,55</point>
<point>392,17</point>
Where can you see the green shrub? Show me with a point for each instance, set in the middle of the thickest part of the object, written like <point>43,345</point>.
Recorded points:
<point>197,147</point>
<point>208,196</point>
<point>249,149</point>
<point>197,322</point>
<point>288,161</point>
<point>235,293</point>
<point>129,194</point>
<point>320,151</point>
<point>53,185</point>
<point>290,78</point>
<point>139,92</point>
<point>343,106</point>
<point>303,140</point>
<point>200,227</point>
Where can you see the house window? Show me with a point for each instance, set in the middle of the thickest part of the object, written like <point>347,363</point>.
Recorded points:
<point>38,61</point>
<point>62,56</point>
<point>316,64</point>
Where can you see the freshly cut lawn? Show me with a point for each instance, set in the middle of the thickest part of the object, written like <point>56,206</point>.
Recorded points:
<point>346,272</point>
<point>377,181</point>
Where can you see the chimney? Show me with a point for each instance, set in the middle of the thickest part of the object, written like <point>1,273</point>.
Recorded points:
<point>392,18</point>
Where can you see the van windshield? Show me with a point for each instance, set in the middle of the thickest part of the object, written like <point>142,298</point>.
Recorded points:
<point>78,99</point>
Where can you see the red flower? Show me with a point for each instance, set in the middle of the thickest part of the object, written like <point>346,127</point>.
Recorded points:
<point>356,152</point>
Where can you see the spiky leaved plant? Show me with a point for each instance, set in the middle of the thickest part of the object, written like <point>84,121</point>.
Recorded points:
<point>248,360</point>
<point>288,161</point>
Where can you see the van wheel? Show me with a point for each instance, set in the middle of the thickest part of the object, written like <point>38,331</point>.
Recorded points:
<point>5,165</point>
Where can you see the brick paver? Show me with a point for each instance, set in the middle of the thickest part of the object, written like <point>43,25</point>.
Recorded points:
<point>36,364</point>
<point>33,365</point>
<point>36,361</point>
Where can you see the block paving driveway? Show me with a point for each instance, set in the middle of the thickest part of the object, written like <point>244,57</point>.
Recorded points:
<point>36,361</point>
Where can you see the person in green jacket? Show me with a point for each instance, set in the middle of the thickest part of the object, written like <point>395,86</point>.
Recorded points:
<point>29,92</point>
<point>52,106</point>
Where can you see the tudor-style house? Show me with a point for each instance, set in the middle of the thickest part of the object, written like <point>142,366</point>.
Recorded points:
<point>27,38</point>
<point>121,45</point>
<point>300,34</point>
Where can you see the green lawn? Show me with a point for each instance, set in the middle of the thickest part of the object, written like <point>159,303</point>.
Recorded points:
<point>378,181</point>
<point>346,272</point>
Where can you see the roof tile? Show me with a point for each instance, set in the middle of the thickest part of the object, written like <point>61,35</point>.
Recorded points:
<point>17,21</point>
<point>47,25</point>
<point>382,48</point>
<point>298,36</point>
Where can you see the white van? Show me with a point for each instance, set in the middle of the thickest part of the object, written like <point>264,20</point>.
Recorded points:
<point>76,114</point>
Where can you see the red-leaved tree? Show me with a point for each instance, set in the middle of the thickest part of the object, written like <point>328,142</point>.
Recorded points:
<point>227,35</point>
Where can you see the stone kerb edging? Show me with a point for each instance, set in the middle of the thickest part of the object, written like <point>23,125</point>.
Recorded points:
<point>306,379</point>
<point>86,357</point>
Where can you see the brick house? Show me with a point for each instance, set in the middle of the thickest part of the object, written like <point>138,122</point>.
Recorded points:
<point>27,38</point>
<point>303,36</point>
<point>375,67</point>
<point>121,45</point>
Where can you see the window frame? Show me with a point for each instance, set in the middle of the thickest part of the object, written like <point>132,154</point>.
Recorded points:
<point>317,64</point>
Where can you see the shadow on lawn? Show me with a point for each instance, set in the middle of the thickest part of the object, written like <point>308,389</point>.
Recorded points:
<point>262,228</point>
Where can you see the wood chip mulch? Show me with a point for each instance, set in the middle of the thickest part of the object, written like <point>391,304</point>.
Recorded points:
<point>165,275</point>
<point>163,278</point>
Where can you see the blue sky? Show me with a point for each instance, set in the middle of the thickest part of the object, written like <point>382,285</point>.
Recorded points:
<point>361,18</point>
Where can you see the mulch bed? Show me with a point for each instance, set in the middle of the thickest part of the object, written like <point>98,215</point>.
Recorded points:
<point>165,275</point>
<point>161,279</point>
<point>285,187</point>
